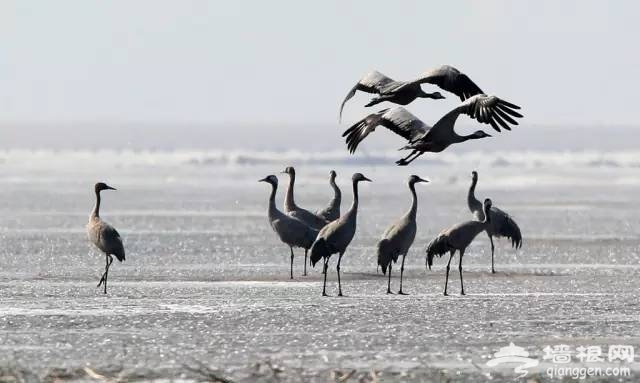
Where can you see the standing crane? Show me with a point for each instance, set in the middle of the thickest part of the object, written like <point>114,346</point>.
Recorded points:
<point>336,236</point>
<point>104,236</point>
<point>423,138</point>
<point>398,237</point>
<point>502,225</point>
<point>457,237</point>
<point>332,211</point>
<point>290,207</point>
<point>290,230</point>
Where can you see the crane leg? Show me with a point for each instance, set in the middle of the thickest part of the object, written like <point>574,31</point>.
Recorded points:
<point>107,276</point>
<point>414,157</point>
<point>306,251</point>
<point>291,248</point>
<point>389,280</point>
<point>493,270</point>
<point>406,161</point>
<point>446,279</point>
<point>103,279</point>
<point>338,270</point>
<point>460,270</point>
<point>324,270</point>
<point>403,161</point>
<point>402,272</point>
<point>374,101</point>
<point>377,100</point>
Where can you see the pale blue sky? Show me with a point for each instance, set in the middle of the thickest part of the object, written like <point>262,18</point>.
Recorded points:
<point>291,62</point>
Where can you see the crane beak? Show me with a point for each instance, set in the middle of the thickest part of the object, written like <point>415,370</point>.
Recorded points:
<point>263,180</point>
<point>423,180</point>
<point>107,187</point>
<point>366,179</point>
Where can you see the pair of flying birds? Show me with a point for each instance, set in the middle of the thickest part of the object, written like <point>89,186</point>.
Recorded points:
<point>420,136</point>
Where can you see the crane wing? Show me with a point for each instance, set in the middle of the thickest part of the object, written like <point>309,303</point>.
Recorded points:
<point>505,226</point>
<point>491,110</point>
<point>452,80</point>
<point>397,119</point>
<point>486,109</point>
<point>293,231</point>
<point>372,82</point>
<point>110,241</point>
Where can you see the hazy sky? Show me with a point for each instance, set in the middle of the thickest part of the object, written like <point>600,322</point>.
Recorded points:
<point>291,62</point>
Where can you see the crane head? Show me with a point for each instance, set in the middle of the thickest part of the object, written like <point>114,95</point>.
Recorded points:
<point>415,179</point>
<point>487,206</point>
<point>480,134</point>
<point>100,186</point>
<point>289,170</point>
<point>273,180</point>
<point>333,174</point>
<point>474,175</point>
<point>357,177</point>
<point>434,95</point>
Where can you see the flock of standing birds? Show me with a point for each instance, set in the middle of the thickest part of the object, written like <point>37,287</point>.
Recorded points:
<point>326,232</point>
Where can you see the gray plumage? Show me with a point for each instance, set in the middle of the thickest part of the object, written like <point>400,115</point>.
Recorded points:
<point>398,92</point>
<point>398,237</point>
<point>104,236</point>
<point>290,207</point>
<point>424,138</point>
<point>332,211</point>
<point>290,230</point>
<point>336,236</point>
<point>457,237</point>
<point>404,92</point>
<point>450,79</point>
<point>502,225</point>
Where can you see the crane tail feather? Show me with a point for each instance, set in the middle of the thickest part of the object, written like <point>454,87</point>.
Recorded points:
<point>319,250</point>
<point>384,255</point>
<point>438,246</point>
<point>118,252</point>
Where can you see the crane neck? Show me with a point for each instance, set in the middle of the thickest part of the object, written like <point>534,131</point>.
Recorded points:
<point>289,203</point>
<point>96,209</point>
<point>487,217</point>
<point>354,204</point>
<point>272,200</point>
<point>414,201</point>
<point>459,138</point>
<point>472,201</point>
<point>337,194</point>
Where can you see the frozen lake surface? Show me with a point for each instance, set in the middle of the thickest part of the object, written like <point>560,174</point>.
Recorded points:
<point>205,286</point>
